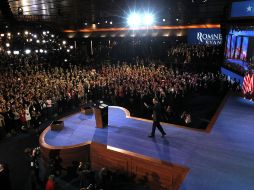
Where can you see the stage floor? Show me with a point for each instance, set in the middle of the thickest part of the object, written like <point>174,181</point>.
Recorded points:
<point>219,160</point>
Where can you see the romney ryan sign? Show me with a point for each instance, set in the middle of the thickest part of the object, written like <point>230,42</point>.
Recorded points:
<point>211,36</point>
<point>242,9</point>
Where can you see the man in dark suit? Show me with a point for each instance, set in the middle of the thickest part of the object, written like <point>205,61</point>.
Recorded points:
<point>157,109</point>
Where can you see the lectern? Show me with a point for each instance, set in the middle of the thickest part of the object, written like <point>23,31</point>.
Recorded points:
<point>101,115</point>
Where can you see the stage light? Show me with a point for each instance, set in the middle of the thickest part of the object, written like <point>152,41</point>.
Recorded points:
<point>37,41</point>
<point>7,45</point>
<point>85,23</point>
<point>134,20</point>
<point>8,34</point>
<point>106,21</point>
<point>18,33</point>
<point>2,35</point>
<point>68,50</point>
<point>36,51</point>
<point>71,47</point>
<point>52,36</point>
<point>164,20</point>
<point>45,51</point>
<point>148,19</point>
<point>27,51</point>
<point>47,32</point>
<point>64,42</point>
<point>43,41</point>
<point>35,36</point>
<point>8,52</point>
<point>41,50</point>
<point>65,60</point>
<point>26,32</point>
<point>111,22</point>
<point>15,52</point>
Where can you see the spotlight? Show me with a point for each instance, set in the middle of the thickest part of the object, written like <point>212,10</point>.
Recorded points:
<point>27,51</point>
<point>2,35</point>
<point>8,34</point>
<point>35,36</point>
<point>148,19</point>
<point>71,47</point>
<point>15,52</point>
<point>18,33</point>
<point>44,33</point>
<point>45,51</point>
<point>37,41</point>
<point>7,45</point>
<point>111,22</point>
<point>164,20</point>
<point>43,41</point>
<point>41,50</point>
<point>36,51</point>
<point>134,20</point>
<point>64,42</point>
<point>52,36</point>
<point>65,60</point>
<point>26,32</point>
<point>8,52</point>
<point>68,50</point>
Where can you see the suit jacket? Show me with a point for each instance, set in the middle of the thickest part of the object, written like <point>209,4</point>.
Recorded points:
<point>157,111</point>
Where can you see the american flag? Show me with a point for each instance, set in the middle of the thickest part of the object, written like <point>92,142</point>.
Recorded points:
<point>248,84</point>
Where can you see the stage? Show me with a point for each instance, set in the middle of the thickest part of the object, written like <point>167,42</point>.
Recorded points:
<point>218,160</point>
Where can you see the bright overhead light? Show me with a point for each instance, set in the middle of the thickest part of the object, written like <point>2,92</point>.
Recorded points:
<point>134,20</point>
<point>27,51</point>
<point>26,32</point>
<point>9,34</point>
<point>68,50</point>
<point>148,19</point>
<point>8,52</point>
<point>71,47</point>
<point>7,45</point>
<point>64,42</point>
<point>37,41</point>
<point>15,52</point>
<point>2,35</point>
<point>41,50</point>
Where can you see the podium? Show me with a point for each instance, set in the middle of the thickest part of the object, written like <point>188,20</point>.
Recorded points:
<point>101,115</point>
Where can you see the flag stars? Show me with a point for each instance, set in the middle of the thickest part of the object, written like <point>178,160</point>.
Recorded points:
<point>249,8</point>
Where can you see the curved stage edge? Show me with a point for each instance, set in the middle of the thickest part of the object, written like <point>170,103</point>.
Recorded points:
<point>160,174</point>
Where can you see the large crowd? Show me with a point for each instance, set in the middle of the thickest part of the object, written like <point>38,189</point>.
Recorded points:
<point>35,91</point>
<point>36,87</point>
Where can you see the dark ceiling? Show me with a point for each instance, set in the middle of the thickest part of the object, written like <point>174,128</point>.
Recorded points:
<point>75,13</point>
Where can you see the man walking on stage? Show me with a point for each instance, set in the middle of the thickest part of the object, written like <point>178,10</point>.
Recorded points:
<point>156,117</point>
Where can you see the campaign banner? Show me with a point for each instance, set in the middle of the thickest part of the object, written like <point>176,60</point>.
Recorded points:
<point>242,9</point>
<point>208,36</point>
